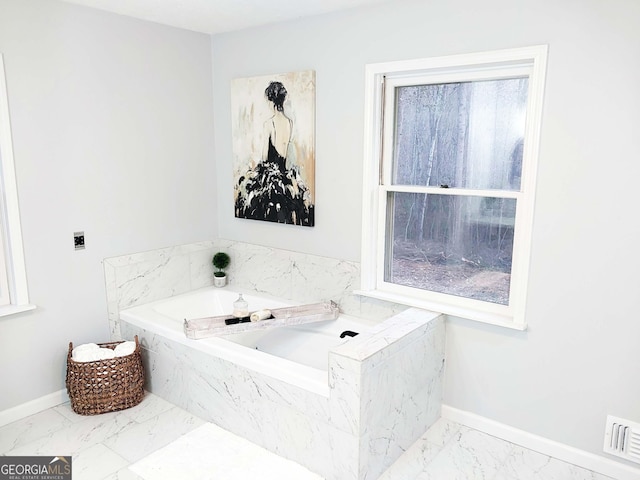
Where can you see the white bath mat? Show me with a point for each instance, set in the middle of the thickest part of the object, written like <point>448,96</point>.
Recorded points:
<point>209,452</point>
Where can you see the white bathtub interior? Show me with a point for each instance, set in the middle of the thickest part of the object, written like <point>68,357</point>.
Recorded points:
<point>208,302</point>
<point>297,354</point>
<point>307,344</point>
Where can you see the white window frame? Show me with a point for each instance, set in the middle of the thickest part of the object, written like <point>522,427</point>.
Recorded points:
<point>530,61</point>
<point>14,295</point>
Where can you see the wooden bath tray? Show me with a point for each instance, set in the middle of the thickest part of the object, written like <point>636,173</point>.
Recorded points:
<point>198,328</point>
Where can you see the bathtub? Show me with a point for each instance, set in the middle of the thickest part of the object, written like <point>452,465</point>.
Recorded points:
<point>345,408</point>
<point>295,354</point>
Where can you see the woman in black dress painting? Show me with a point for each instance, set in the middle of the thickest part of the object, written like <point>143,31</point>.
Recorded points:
<point>278,128</point>
<point>271,191</point>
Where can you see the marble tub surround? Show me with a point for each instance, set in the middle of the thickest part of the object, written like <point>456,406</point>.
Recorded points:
<point>379,397</point>
<point>144,277</point>
<point>399,364</point>
<point>383,392</point>
<point>302,278</point>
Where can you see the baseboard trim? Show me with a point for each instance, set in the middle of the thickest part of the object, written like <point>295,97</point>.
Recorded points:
<point>34,406</point>
<point>552,448</point>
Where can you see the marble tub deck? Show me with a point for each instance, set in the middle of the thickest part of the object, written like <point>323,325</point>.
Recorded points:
<point>153,440</point>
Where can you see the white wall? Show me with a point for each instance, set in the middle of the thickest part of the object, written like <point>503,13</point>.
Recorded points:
<point>580,359</point>
<point>113,134</point>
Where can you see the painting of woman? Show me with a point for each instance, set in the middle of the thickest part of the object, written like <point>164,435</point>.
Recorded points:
<point>274,188</point>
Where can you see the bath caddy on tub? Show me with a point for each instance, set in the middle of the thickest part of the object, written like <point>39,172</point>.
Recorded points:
<point>198,328</point>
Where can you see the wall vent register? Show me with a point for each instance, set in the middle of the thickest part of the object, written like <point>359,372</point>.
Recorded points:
<point>622,438</point>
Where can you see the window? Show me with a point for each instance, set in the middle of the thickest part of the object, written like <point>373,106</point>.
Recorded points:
<point>450,160</point>
<point>14,297</point>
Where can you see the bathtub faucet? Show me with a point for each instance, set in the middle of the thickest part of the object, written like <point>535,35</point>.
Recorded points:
<point>348,333</point>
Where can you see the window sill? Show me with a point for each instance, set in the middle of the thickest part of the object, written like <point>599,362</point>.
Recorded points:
<point>466,313</point>
<point>7,310</point>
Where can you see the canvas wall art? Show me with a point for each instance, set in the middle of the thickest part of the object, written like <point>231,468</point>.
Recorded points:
<point>273,129</point>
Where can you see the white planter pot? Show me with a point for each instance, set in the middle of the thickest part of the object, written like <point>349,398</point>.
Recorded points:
<point>219,281</point>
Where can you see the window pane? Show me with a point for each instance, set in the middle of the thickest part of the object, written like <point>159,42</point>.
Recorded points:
<point>463,135</point>
<point>458,245</point>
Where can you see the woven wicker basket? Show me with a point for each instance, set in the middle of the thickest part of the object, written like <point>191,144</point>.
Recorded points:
<point>105,385</point>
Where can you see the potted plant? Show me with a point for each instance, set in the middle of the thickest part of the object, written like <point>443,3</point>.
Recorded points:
<point>220,261</point>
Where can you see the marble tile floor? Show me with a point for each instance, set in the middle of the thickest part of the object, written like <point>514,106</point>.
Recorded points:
<point>151,441</point>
